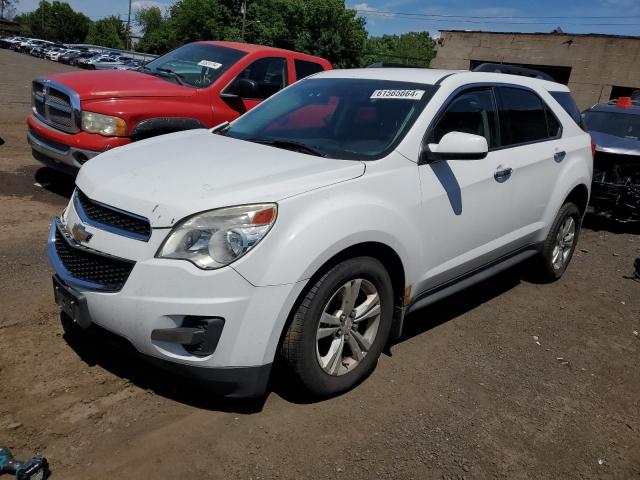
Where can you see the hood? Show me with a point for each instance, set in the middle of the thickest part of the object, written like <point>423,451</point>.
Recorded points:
<point>613,144</point>
<point>119,84</point>
<point>169,177</point>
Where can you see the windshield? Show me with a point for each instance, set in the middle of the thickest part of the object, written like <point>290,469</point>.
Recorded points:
<point>357,119</point>
<point>195,65</point>
<point>623,125</point>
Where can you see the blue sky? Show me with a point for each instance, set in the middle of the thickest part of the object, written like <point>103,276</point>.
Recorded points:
<point>450,14</point>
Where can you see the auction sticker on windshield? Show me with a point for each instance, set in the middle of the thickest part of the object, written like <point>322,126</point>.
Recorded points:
<point>209,64</point>
<point>398,94</point>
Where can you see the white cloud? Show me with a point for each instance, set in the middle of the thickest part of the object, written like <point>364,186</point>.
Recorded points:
<point>365,10</point>
<point>140,4</point>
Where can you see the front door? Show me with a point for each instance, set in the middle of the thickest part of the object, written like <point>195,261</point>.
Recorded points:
<point>466,219</point>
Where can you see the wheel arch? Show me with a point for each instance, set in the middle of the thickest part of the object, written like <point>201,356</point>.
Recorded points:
<point>579,195</point>
<point>382,252</point>
<point>152,127</point>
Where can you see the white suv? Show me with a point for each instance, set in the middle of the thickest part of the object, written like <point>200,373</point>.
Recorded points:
<point>304,231</point>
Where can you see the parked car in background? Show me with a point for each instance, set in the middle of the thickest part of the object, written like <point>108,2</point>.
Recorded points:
<point>615,129</point>
<point>27,46</point>
<point>38,52</point>
<point>130,65</point>
<point>81,59</point>
<point>198,85</point>
<point>54,53</point>
<point>103,62</point>
<point>305,230</point>
<point>67,56</point>
<point>7,42</point>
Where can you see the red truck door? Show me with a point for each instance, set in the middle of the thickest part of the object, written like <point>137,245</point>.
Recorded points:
<point>259,80</point>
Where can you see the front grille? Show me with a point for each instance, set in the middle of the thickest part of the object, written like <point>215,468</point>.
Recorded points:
<point>53,106</point>
<point>108,272</point>
<point>126,223</point>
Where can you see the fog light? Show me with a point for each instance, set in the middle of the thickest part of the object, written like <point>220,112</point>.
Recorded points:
<point>198,335</point>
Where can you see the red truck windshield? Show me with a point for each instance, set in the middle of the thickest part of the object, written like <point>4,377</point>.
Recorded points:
<point>195,65</point>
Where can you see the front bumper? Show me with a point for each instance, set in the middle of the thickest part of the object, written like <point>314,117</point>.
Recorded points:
<point>63,151</point>
<point>161,294</point>
<point>57,155</point>
<point>615,190</point>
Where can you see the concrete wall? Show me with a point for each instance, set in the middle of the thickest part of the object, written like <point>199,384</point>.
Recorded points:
<point>597,62</point>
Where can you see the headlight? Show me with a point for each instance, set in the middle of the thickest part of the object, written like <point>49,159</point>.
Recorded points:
<point>103,124</point>
<point>217,238</point>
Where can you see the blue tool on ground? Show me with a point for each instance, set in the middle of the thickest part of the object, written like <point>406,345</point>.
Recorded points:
<point>36,468</point>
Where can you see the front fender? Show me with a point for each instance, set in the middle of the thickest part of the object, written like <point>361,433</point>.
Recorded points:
<point>314,227</point>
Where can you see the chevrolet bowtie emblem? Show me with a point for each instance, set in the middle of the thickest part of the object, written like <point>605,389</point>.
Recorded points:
<point>80,234</point>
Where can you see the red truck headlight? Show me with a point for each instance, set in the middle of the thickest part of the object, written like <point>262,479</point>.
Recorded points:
<point>106,125</point>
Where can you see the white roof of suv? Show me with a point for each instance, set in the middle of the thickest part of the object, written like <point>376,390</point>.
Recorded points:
<point>432,77</point>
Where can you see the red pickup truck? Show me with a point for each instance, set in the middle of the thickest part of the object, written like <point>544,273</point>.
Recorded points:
<point>77,115</point>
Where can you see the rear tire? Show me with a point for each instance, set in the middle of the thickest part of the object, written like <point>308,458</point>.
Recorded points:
<point>557,249</point>
<point>340,328</point>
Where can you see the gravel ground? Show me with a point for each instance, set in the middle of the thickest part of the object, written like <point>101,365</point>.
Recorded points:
<point>510,379</point>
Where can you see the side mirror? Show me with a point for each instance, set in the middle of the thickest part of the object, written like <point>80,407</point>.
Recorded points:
<point>246,88</point>
<point>456,146</point>
<point>241,88</point>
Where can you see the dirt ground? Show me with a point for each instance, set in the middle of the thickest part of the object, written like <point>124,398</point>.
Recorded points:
<point>510,379</point>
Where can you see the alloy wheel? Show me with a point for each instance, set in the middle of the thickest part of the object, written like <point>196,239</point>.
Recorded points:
<point>564,243</point>
<point>348,327</point>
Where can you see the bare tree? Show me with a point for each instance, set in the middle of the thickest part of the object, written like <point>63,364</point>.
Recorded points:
<point>7,6</point>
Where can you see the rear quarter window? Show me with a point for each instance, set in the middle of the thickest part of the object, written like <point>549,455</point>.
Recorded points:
<point>566,101</point>
<point>305,68</point>
<point>524,117</point>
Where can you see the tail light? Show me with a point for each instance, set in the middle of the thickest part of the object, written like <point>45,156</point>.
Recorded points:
<point>593,149</point>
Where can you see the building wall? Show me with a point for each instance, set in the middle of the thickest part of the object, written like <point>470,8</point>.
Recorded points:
<point>597,62</point>
<point>9,28</point>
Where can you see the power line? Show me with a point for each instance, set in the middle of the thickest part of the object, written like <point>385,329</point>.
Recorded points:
<point>437,15</point>
<point>403,16</point>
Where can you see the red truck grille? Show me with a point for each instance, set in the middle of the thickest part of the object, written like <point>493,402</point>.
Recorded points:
<point>55,105</point>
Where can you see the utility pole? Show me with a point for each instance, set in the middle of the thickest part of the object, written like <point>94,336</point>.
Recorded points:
<point>243,11</point>
<point>129,28</point>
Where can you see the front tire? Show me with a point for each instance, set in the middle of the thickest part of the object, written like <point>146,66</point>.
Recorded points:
<point>340,328</point>
<point>557,249</point>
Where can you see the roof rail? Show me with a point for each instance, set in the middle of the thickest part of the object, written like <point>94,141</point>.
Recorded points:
<point>392,65</point>
<point>512,70</point>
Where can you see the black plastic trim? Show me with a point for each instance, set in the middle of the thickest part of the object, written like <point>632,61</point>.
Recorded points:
<point>159,126</point>
<point>468,279</point>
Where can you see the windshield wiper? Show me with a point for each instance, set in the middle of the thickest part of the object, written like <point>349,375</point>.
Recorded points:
<point>289,145</point>
<point>171,73</point>
<point>221,129</point>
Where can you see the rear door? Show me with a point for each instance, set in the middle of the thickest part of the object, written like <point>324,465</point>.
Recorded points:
<point>531,148</point>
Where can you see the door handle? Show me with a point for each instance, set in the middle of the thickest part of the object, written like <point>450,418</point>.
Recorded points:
<point>503,174</point>
<point>559,156</point>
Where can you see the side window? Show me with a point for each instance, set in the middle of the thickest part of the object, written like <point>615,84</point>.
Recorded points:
<point>304,68</point>
<point>553,124</point>
<point>266,76</point>
<point>470,112</point>
<point>524,117</point>
<point>566,101</point>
